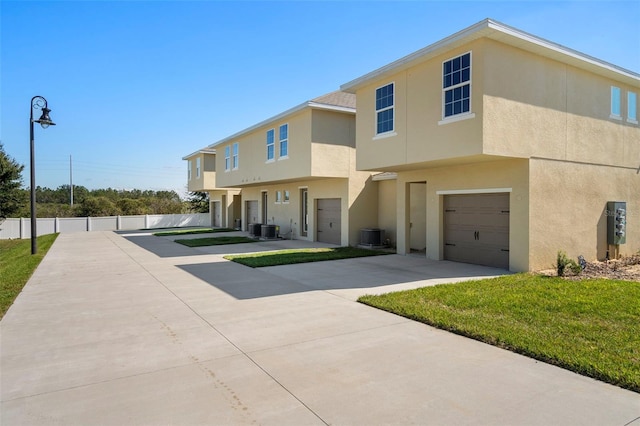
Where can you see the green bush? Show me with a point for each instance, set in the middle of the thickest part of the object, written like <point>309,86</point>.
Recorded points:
<point>563,262</point>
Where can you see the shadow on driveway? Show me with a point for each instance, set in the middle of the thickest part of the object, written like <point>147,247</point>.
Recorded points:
<point>366,275</point>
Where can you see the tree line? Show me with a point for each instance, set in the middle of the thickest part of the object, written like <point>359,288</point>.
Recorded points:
<point>14,198</point>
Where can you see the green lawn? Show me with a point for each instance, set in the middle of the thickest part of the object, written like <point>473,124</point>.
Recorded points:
<point>17,265</point>
<point>215,241</point>
<point>591,327</point>
<point>287,257</point>
<point>193,231</point>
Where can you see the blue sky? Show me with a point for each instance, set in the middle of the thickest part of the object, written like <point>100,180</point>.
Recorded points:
<point>136,85</point>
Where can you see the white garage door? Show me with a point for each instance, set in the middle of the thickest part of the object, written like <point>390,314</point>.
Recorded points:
<point>476,229</point>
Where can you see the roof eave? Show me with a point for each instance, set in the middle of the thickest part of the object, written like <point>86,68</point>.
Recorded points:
<point>200,151</point>
<point>506,34</point>
<point>282,115</point>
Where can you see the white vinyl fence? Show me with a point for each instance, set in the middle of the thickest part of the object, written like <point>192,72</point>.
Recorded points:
<point>21,228</point>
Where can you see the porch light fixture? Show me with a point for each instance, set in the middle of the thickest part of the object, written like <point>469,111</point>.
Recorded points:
<point>37,102</point>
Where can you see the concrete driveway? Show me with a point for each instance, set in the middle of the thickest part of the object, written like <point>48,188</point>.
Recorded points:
<point>130,328</point>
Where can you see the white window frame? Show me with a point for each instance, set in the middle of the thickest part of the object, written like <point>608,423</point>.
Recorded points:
<point>278,197</point>
<point>189,170</point>
<point>198,168</point>
<point>461,115</point>
<point>227,158</point>
<point>284,141</point>
<point>392,107</point>
<point>286,197</point>
<point>632,106</point>
<point>235,157</point>
<point>271,145</point>
<point>616,103</point>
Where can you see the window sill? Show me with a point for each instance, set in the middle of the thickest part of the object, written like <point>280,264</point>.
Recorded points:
<point>384,135</point>
<point>458,117</point>
<point>615,117</point>
<point>629,120</point>
<point>270,161</point>
<point>286,157</point>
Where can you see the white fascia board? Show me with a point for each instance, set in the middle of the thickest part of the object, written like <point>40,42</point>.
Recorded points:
<point>384,176</point>
<point>328,107</point>
<point>282,115</point>
<point>200,151</point>
<point>506,34</point>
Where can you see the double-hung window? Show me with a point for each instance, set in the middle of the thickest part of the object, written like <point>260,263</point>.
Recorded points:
<point>456,86</point>
<point>235,156</point>
<point>632,105</point>
<point>227,158</point>
<point>615,103</point>
<point>384,109</point>
<point>197,167</point>
<point>270,144</point>
<point>284,140</point>
<point>189,169</point>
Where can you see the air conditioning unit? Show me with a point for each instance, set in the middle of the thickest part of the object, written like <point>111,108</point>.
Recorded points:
<point>371,237</point>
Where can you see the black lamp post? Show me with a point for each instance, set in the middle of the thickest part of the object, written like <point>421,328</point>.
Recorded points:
<point>37,102</point>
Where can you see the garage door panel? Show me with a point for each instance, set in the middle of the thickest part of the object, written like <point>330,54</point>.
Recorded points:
<point>476,229</point>
<point>328,220</point>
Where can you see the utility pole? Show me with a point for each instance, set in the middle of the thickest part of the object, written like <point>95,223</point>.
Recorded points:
<point>71,180</point>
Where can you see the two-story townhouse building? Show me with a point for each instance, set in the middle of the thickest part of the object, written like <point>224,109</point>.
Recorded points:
<point>501,148</point>
<point>201,177</point>
<point>296,170</point>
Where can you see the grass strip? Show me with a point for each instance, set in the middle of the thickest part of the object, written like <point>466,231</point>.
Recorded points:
<point>215,241</point>
<point>17,264</point>
<point>193,231</point>
<point>288,257</point>
<point>591,327</point>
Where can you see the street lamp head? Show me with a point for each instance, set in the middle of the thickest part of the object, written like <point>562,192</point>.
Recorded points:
<point>45,120</point>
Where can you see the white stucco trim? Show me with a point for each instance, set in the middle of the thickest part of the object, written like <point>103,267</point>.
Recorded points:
<point>458,117</point>
<point>473,191</point>
<point>384,135</point>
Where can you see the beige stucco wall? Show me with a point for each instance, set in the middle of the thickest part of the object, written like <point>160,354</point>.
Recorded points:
<point>568,209</point>
<point>318,146</point>
<point>538,107</point>
<point>225,197</point>
<point>504,175</point>
<point>419,136</point>
<point>287,215</point>
<point>253,167</point>
<point>358,205</point>
<point>207,179</point>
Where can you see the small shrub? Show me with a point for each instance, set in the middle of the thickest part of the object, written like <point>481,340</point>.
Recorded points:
<point>563,262</point>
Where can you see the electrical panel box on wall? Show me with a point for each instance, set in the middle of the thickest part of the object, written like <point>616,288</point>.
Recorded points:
<point>616,222</point>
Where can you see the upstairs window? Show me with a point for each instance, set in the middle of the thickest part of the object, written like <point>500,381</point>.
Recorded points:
<point>615,103</point>
<point>456,85</point>
<point>235,156</point>
<point>284,140</point>
<point>198,167</point>
<point>189,169</point>
<point>227,158</point>
<point>384,109</point>
<point>632,105</point>
<point>270,144</point>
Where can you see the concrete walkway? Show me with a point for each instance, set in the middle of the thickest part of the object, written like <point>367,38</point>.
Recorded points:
<point>136,329</point>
